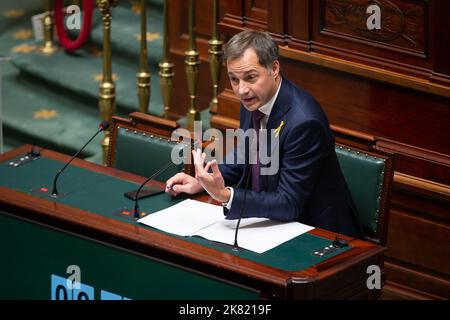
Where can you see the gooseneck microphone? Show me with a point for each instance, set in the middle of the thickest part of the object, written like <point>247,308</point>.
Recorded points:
<point>102,126</point>
<point>135,195</point>
<point>157,173</point>
<point>235,245</point>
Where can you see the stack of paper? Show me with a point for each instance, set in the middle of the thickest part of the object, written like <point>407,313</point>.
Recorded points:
<point>195,218</point>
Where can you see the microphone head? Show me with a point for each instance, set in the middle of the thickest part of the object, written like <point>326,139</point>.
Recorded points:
<point>104,125</point>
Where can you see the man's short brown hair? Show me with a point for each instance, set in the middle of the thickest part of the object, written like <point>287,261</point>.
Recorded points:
<point>265,47</point>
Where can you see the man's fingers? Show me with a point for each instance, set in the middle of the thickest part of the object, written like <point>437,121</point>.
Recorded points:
<point>215,168</point>
<point>195,158</point>
<point>173,180</point>
<point>198,162</point>
<point>203,157</point>
<point>208,166</point>
<point>198,156</point>
<point>173,193</point>
<point>182,188</point>
<point>179,179</point>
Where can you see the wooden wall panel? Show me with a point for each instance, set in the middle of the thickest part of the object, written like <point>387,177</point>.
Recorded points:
<point>256,9</point>
<point>402,24</point>
<point>419,233</point>
<point>340,30</point>
<point>374,107</point>
<point>244,13</point>
<point>440,24</point>
<point>404,282</point>
<point>409,232</point>
<point>298,11</point>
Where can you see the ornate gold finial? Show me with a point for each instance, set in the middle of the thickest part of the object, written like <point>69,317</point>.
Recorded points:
<point>143,76</point>
<point>215,58</point>
<point>99,77</point>
<point>192,68</point>
<point>107,88</point>
<point>49,48</point>
<point>166,73</point>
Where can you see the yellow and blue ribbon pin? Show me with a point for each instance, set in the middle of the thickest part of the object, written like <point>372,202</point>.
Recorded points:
<point>278,130</point>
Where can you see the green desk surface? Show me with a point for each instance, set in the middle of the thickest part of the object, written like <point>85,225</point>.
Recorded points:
<point>102,194</point>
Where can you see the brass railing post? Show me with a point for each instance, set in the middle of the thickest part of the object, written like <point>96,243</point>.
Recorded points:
<point>166,73</point>
<point>192,68</point>
<point>143,76</point>
<point>107,103</point>
<point>49,47</point>
<point>215,58</point>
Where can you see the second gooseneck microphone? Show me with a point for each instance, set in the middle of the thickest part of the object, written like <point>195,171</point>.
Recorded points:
<point>168,165</point>
<point>103,126</point>
<point>241,213</point>
<point>136,197</point>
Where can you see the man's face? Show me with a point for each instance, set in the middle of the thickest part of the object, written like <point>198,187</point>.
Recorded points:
<point>252,83</point>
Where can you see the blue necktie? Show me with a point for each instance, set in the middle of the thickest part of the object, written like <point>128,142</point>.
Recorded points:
<point>256,117</point>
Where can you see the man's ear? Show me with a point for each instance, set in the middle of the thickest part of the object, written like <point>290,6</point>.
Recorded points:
<point>276,68</point>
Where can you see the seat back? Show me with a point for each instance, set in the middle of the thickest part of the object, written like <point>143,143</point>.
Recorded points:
<point>368,176</point>
<point>142,145</point>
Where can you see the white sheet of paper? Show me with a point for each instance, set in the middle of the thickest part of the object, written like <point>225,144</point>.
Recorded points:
<point>185,217</point>
<point>191,217</point>
<point>255,234</point>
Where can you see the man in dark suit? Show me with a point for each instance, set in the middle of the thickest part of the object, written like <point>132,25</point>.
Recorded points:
<point>308,186</point>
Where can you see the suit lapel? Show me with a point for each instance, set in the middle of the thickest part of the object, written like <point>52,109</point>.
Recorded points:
<point>281,106</point>
<point>247,119</point>
<point>280,109</point>
<point>246,123</point>
<point>277,115</point>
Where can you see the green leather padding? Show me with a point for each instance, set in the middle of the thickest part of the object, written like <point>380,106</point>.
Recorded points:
<point>144,154</point>
<point>364,176</point>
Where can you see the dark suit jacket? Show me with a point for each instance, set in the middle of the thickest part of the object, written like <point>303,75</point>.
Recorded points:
<point>309,186</point>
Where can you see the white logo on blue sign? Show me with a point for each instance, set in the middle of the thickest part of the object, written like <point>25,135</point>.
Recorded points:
<point>79,291</point>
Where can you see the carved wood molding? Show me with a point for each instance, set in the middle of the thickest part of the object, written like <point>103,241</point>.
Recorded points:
<point>416,152</point>
<point>405,32</point>
<point>365,71</point>
<point>422,184</point>
<point>223,123</point>
<point>402,26</point>
<point>355,134</point>
<point>426,285</point>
